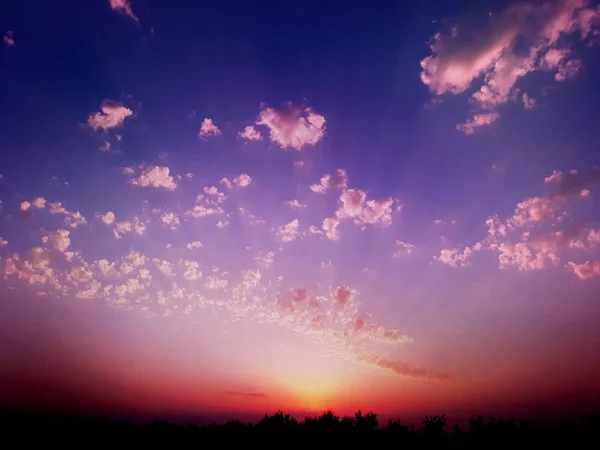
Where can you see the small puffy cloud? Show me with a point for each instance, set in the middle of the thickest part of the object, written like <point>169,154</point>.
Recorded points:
<point>59,240</point>
<point>192,270</point>
<point>250,134</point>
<point>295,204</point>
<point>129,226</point>
<point>243,180</point>
<point>222,224</point>
<point>330,227</point>
<point>213,282</point>
<point>108,218</point>
<point>164,266</point>
<point>585,270</point>
<point>289,232</point>
<point>299,164</point>
<point>3,242</point>
<point>266,259</point>
<point>372,212</point>
<point>528,102</point>
<point>208,128</point>
<point>38,203</point>
<point>343,295</point>
<point>123,7</point>
<point>293,127</point>
<point>403,248</point>
<point>156,176</point>
<point>112,115</point>
<point>337,181</point>
<point>195,244</point>
<point>456,258</point>
<point>72,219</point>
<point>9,38</point>
<point>477,121</point>
<point>170,219</point>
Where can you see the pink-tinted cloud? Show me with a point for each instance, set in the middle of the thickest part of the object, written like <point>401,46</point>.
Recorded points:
<point>337,181</point>
<point>403,248</point>
<point>156,176</point>
<point>477,121</point>
<point>586,270</point>
<point>112,115</point>
<point>330,227</point>
<point>289,232</point>
<point>457,258</point>
<point>472,54</point>
<point>9,38</point>
<point>528,102</point>
<point>108,218</point>
<point>123,7</point>
<point>250,134</point>
<point>208,128</point>
<point>372,212</point>
<point>292,127</point>
<point>295,204</point>
<point>243,180</point>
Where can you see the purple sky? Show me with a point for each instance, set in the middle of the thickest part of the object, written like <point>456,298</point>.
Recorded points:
<point>207,210</point>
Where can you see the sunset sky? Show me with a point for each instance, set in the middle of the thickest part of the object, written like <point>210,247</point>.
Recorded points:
<point>226,208</point>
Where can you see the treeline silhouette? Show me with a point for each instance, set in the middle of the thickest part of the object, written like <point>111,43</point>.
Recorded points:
<point>480,433</point>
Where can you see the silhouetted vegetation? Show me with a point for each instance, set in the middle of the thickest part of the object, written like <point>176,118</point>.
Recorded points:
<point>480,433</point>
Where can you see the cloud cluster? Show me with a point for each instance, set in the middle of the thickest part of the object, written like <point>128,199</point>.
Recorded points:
<point>528,240</point>
<point>111,115</point>
<point>208,128</point>
<point>495,52</point>
<point>292,127</point>
<point>154,176</point>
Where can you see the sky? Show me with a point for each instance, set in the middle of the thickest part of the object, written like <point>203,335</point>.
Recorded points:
<point>224,209</point>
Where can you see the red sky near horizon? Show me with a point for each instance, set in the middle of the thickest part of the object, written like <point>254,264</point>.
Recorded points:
<point>221,219</point>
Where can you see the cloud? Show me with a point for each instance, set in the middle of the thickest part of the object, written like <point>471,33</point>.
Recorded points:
<point>250,134</point>
<point>108,218</point>
<point>289,232</point>
<point>495,52</point>
<point>156,176</point>
<point>456,258</point>
<point>129,226</point>
<point>266,259</point>
<point>59,240</point>
<point>243,180</point>
<point>401,369</point>
<point>244,394</point>
<point>170,219</point>
<point>403,248</point>
<point>112,115</point>
<point>585,270</point>
<point>337,181</point>
<point>3,242</point>
<point>208,128</point>
<point>295,204</point>
<point>330,227</point>
<point>528,102</point>
<point>72,219</point>
<point>123,7</point>
<point>364,212</point>
<point>9,38</point>
<point>292,127</point>
<point>477,121</point>
<point>195,244</point>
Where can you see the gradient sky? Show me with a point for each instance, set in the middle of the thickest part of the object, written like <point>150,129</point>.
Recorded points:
<point>219,208</point>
